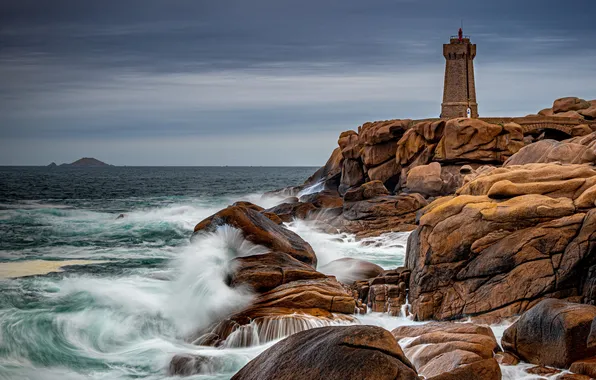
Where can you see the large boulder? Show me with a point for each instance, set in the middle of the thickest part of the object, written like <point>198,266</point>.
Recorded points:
<point>570,104</point>
<point>289,211</point>
<point>299,304</point>
<point>262,273</point>
<point>259,229</point>
<point>553,333</point>
<point>512,237</point>
<point>332,353</point>
<point>378,132</point>
<point>433,180</point>
<point>478,141</point>
<point>553,151</point>
<point>448,350</point>
<point>379,214</point>
<point>350,145</point>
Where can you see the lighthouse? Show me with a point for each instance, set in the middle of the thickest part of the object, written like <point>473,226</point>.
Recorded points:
<point>459,92</point>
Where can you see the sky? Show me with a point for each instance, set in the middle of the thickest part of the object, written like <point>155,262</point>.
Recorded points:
<point>264,82</point>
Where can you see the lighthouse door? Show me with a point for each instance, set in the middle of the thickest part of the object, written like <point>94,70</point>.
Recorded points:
<point>469,113</point>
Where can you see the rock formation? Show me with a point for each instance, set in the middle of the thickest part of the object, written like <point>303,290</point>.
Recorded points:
<point>332,353</point>
<point>511,237</point>
<point>553,333</point>
<point>442,351</point>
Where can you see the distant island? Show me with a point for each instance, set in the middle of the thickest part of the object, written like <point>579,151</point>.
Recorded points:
<point>87,162</point>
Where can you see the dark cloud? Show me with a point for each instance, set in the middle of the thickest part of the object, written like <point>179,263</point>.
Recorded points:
<point>144,69</point>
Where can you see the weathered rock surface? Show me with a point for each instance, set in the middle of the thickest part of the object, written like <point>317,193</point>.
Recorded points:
<point>570,104</point>
<point>512,237</point>
<point>332,353</point>
<point>322,297</point>
<point>262,273</point>
<point>585,367</point>
<point>385,293</point>
<point>450,350</point>
<point>259,229</point>
<point>553,151</point>
<point>433,180</point>
<point>477,141</point>
<point>188,365</point>
<point>369,211</point>
<point>349,270</point>
<point>553,333</point>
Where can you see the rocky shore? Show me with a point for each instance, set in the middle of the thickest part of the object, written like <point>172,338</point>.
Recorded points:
<point>503,223</point>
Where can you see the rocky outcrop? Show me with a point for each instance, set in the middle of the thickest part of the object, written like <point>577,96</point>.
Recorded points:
<point>553,151</point>
<point>441,351</point>
<point>370,211</point>
<point>302,300</point>
<point>473,140</point>
<point>332,353</point>
<point>553,333</point>
<point>511,237</point>
<point>572,107</point>
<point>385,293</point>
<point>259,229</point>
<point>262,273</point>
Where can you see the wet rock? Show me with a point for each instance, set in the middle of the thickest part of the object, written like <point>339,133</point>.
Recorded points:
<point>384,206</point>
<point>323,199</point>
<point>531,239</point>
<point>450,350</point>
<point>260,230</point>
<point>543,371</point>
<point>188,365</point>
<point>273,217</point>
<point>287,212</point>
<point>349,270</point>
<point>262,273</point>
<point>249,205</point>
<point>329,174</point>
<point>332,353</point>
<point>553,333</point>
<point>553,151</point>
<point>506,358</point>
<point>585,367</point>
<point>323,298</point>
<point>385,293</point>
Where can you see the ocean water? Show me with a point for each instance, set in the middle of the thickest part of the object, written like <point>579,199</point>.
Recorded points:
<point>87,295</point>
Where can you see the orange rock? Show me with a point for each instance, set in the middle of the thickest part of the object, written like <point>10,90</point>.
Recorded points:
<point>569,104</point>
<point>350,352</point>
<point>259,229</point>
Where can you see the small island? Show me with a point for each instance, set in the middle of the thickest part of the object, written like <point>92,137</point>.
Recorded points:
<point>86,162</point>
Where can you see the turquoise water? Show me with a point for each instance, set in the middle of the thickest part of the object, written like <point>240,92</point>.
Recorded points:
<point>125,316</point>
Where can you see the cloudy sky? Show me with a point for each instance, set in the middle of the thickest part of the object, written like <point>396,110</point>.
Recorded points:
<point>263,82</point>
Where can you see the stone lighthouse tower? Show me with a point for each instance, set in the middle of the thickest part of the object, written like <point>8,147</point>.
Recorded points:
<point>459,94</point>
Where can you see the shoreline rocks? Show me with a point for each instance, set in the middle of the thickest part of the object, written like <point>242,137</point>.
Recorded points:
<point>332,353</point>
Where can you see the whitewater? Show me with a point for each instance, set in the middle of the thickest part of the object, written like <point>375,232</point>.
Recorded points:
<point>86,294</point>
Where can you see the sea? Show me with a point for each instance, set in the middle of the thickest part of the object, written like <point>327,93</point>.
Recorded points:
<point>99,278</point>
